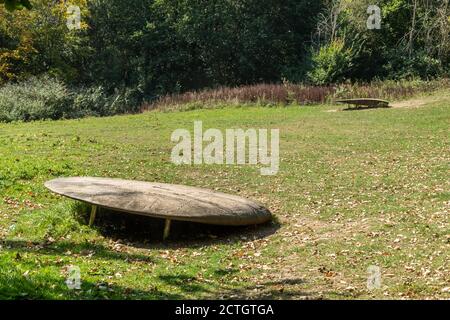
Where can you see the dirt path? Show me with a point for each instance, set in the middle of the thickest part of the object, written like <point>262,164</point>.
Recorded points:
<point>419,102</point>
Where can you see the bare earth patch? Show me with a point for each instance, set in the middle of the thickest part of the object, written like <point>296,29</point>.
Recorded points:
<point>420,102</point>
<point>412,103</point>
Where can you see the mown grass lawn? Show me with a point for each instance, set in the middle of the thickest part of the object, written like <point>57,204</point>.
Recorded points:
<point>355,189</point>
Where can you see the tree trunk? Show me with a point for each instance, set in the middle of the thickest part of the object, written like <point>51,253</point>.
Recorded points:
<point>413,27</point>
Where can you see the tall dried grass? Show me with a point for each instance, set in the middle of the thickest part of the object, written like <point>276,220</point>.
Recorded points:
<point>287,93</point>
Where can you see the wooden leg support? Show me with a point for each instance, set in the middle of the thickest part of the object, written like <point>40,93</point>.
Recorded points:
<point>166,229</point>
<point>93,213</point>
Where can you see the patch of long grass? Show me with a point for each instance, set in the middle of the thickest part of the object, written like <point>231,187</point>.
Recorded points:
<point>287,93</point>
<point>60,221</point>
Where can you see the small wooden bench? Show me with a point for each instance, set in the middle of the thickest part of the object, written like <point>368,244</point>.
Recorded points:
<point>160,200</point>
<point>366,102</point>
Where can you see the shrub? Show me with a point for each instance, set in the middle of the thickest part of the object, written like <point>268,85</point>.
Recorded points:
<point>419,66</point>
<point>125,100</point>
<point>331,63</point>
<point>33,99</point>
<point>95,101</point>
<point>43,97</point>
<point>89,102</point>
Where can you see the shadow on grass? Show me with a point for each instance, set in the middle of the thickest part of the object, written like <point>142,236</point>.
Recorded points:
<point>140,232</point>
<point>37,285</point>
<point>365,108</point>
<point>283,289</point>
<point>146,232</point>
<point>46,287</point>
<point>291,288</point>
<point>60,248</point>
<point>14,286</point>
<point>132,230</point>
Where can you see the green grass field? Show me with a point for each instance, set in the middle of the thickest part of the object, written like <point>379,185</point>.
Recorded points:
<point>355,189</point>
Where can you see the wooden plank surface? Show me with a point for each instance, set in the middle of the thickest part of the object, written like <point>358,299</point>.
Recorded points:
<point>365,102</point>
<point>167,201</point>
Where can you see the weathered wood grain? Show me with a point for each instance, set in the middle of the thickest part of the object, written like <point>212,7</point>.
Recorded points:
<point>167,201</point>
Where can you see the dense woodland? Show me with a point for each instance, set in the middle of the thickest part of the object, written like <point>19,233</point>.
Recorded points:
<point>129,51</point>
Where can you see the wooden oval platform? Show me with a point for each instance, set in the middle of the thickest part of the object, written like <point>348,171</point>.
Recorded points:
<point>167,201</point>
<point>365,102</point>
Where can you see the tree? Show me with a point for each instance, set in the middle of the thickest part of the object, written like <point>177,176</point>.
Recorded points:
<point>12,5</point>
<point>38,41</point>
<point>163,46</point>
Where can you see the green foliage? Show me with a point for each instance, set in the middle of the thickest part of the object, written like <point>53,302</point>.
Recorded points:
<point>33,99</point>
<point>410,38</point>
<point>12,5</point>
<point>167,46</point>
<point>420,65</point>
<point>139,50</point>
<point>95,101</point>
<point>38,41</point>
<point>331,63</point>
<point>48,98</point>
<point>90,101</point>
